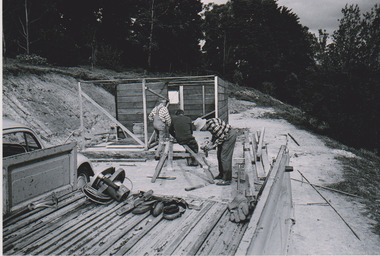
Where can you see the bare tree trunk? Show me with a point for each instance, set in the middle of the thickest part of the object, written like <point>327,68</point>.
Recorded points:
<point>27,28</point>
<point>224,52</point>
<point>151,38</point>
<point>4,45</point>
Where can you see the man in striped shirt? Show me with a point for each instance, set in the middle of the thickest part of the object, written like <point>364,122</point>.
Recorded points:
<point>223,138</point>
<point>161,123</point>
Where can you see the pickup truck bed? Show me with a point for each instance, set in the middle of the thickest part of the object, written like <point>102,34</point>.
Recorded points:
<point>80,226</point>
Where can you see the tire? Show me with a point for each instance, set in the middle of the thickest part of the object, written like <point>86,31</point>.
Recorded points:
<point>83,177</point>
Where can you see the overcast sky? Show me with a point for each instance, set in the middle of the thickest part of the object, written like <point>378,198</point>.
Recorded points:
<point>316,14</point>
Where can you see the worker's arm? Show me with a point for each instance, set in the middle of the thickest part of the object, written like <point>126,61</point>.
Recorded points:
<point>150,117</point>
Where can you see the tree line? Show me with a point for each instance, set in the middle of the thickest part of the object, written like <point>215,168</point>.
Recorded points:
<point>254,43</point>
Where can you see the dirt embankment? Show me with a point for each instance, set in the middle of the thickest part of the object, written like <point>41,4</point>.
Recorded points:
<point>47,100</point>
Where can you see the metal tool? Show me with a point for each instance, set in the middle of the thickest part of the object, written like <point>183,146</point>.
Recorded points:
<point>108,183</point>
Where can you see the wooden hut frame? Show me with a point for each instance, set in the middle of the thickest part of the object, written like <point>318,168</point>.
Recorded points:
<point>198,96</point>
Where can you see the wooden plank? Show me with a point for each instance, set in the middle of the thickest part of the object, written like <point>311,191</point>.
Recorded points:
<point>260,169</point>
<point>141,231</point>
<point>163,233</point>
<point>214,238</point>
<point>14,222</point>
<point>224,239</point>
<point>73,231</point>
<point>131,111</point>
<point>189,246</point>
<point>265,160</point>
<point>249,170</point>
<point>251,232</point>
<point>206,168</point>
<point>25,236</point>
<point>161,163</point>
<point>170,157</point>
<point>253,147</point>
<point>114,238</point>
<point>261,144</point>
<point>137,98</point>
<point>90,234</point>
<point>169,244</point>
<point>105,237</point>
<point>42,216</point>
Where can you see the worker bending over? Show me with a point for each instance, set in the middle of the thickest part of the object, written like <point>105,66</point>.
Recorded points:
<point>223,138</point>
<point>182,130</point>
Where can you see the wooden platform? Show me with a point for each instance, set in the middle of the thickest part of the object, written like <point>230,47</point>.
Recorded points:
<point>82,227</point>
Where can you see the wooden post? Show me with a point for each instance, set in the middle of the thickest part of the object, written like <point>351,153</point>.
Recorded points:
<point>81,115</point>
<point>251,173</point>
<point>170,157</point>
<point>216,97</point>
<point>203,100</point>
<point>145,115</point>
<point>181,98</point>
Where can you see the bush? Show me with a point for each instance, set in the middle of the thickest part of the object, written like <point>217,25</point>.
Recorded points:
<point>32,59</point>
<point>108,57</point>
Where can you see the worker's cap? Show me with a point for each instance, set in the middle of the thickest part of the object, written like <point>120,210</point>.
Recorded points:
<point>199,123</point>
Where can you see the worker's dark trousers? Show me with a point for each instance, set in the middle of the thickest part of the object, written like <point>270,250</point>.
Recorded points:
<point>225,152</point>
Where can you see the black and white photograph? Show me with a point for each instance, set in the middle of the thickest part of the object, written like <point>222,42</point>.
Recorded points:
<point>190,127</point>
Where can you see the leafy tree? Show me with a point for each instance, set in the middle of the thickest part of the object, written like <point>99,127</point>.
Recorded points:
<point>259,43</point>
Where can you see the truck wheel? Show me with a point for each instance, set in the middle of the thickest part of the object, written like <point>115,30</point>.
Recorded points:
<point>83,178</point>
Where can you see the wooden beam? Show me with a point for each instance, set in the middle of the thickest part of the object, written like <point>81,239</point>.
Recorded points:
<point>113,119</point>
<point>208,114</point>
<point>216,97</point>
<point>204,165</point>
<point>256,237</point>
<point>81,128</point>
<point>261,143</point>
<point>203,100</point>
<point>145,115</point>
<point>181,98</point>
<point>252,141</point>
<point>170,156</point>
<point>161,163</point>
<point>265,160</point>
<point>252,175</point>
<point>155,93</point>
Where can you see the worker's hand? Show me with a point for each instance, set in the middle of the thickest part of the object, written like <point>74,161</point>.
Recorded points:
<point>209,146</point>
<point>239,209</point>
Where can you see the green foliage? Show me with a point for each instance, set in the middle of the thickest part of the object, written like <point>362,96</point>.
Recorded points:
<point>109,57</point>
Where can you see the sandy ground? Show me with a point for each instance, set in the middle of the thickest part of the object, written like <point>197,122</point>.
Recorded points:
<point>318,229</point>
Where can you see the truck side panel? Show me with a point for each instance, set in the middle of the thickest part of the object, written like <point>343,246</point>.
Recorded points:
<point>34,175</point>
